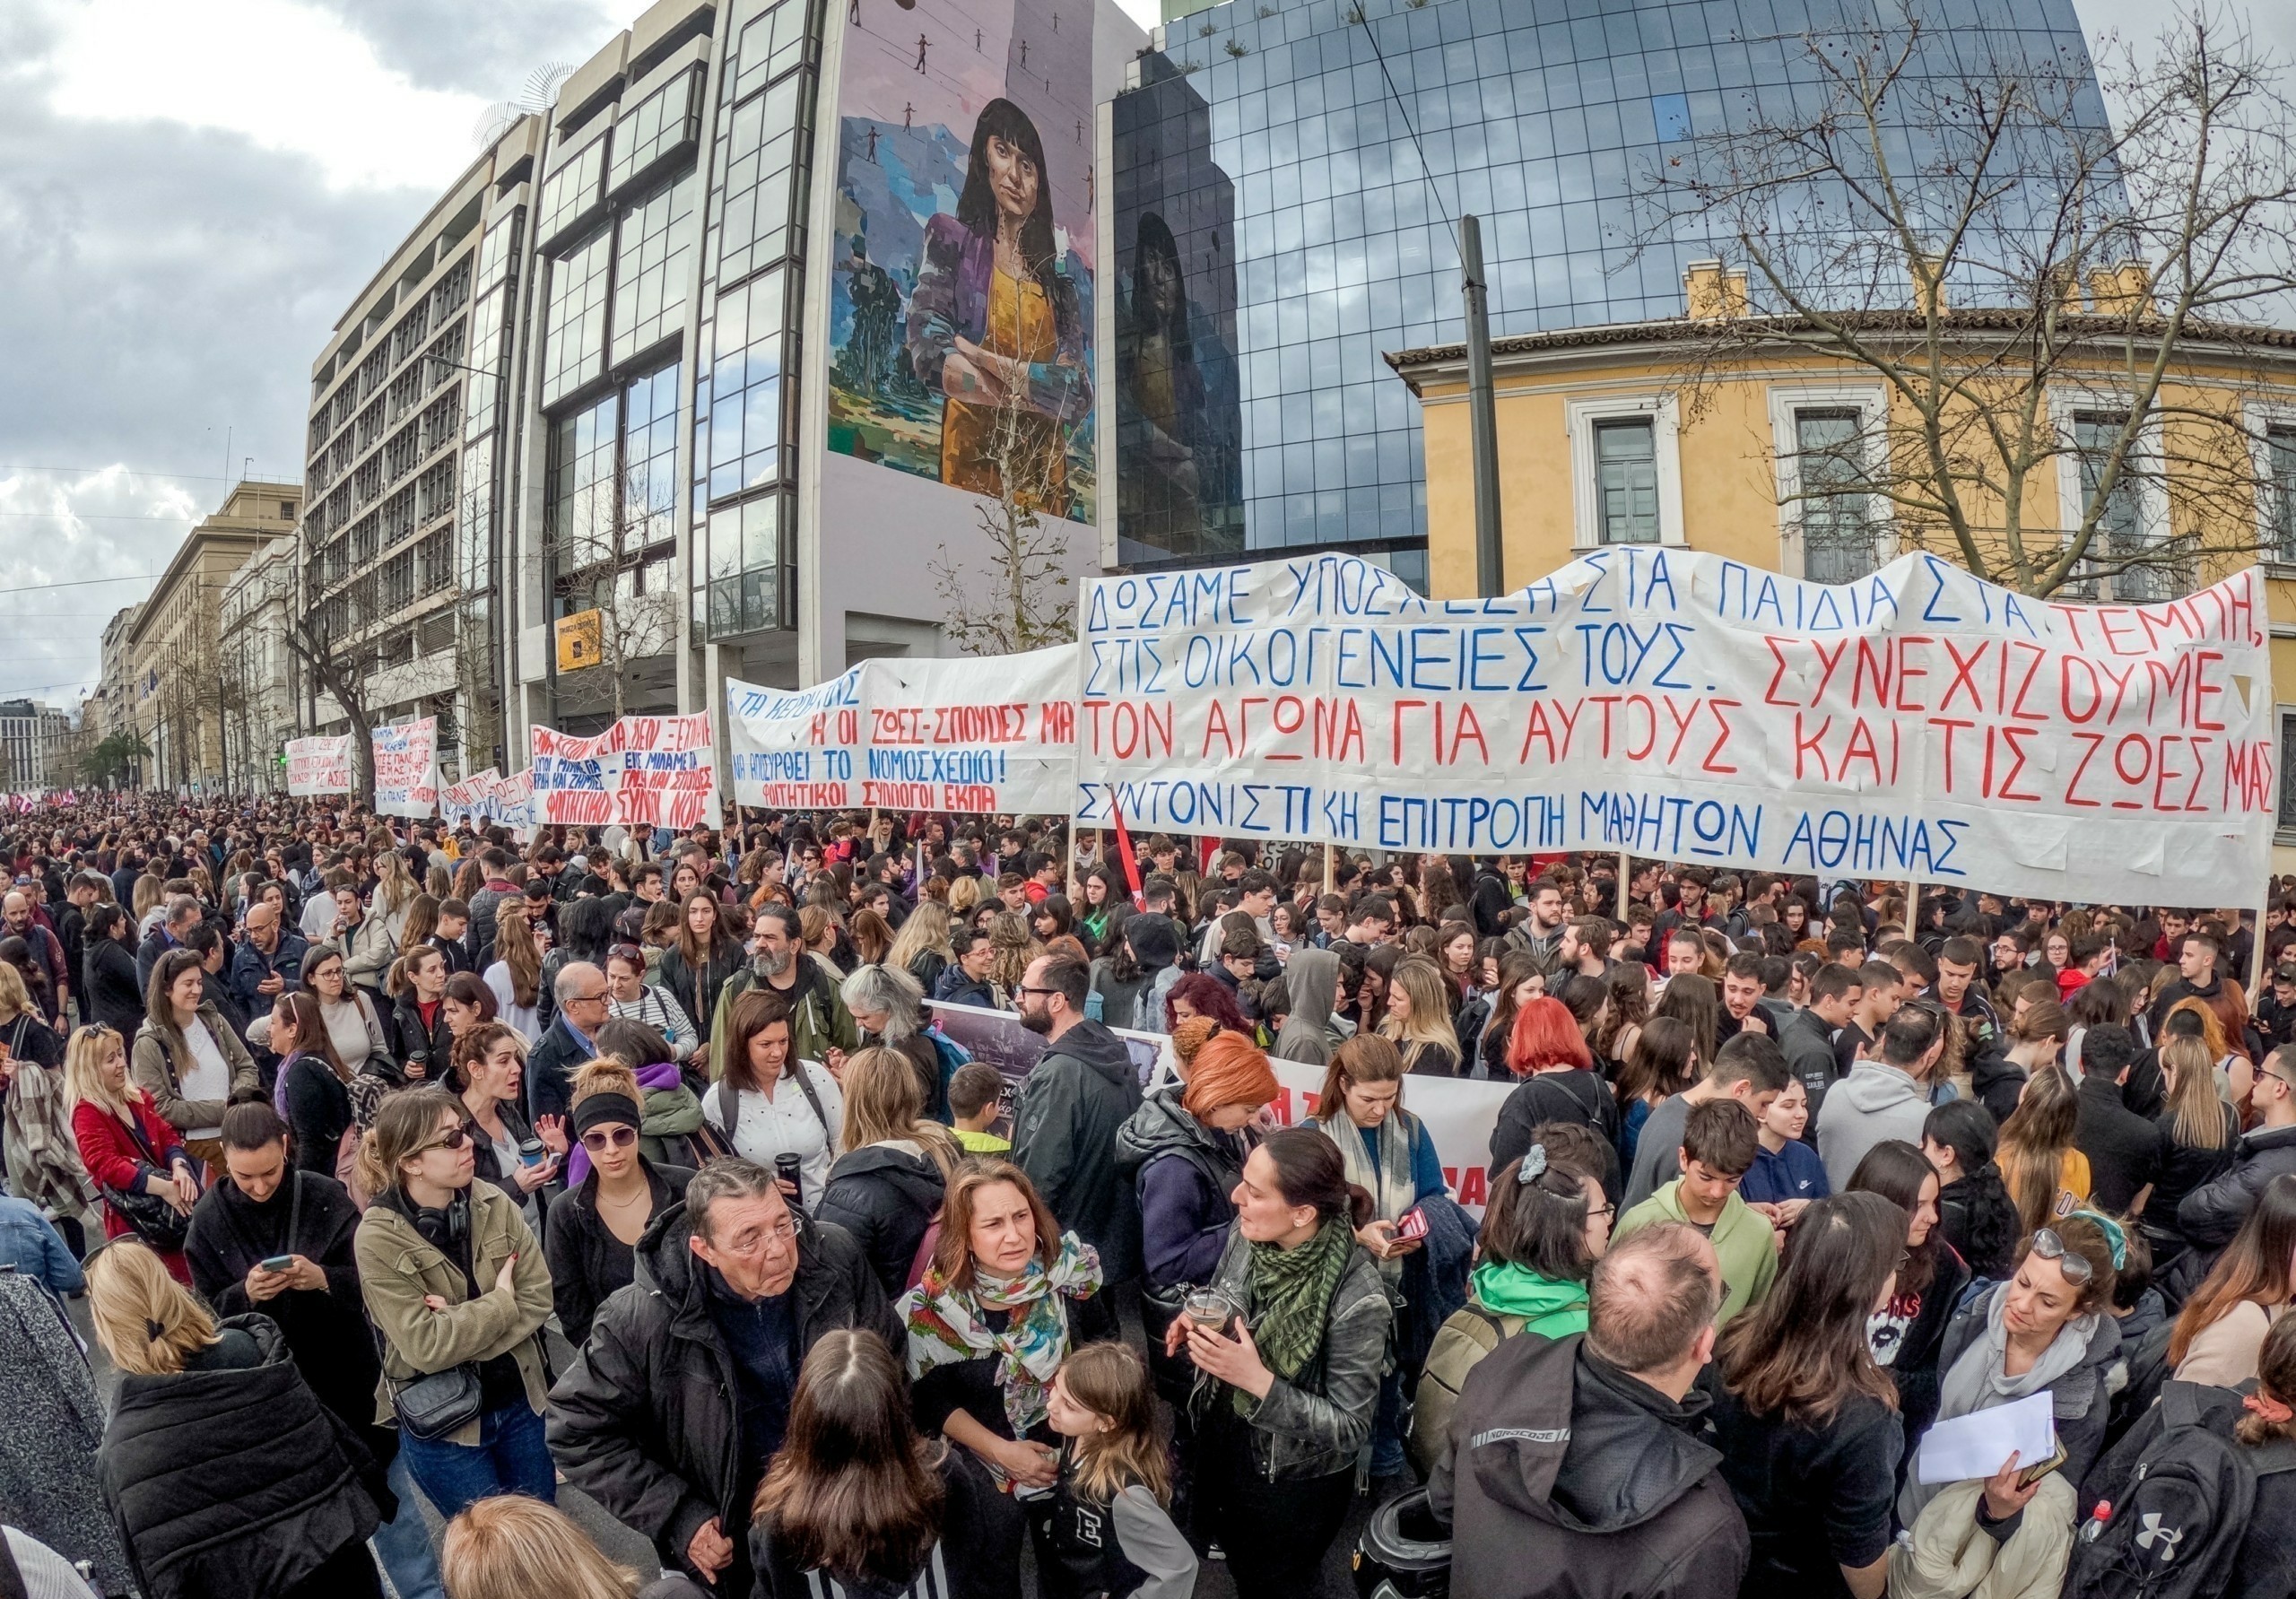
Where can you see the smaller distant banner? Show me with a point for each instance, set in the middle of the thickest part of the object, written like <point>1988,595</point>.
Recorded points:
<point>470,800</point>
<point>406,767</point>
<point>643,771</point>
<point>318,765</point>
<point>972,735</point>
<point>512,803</point>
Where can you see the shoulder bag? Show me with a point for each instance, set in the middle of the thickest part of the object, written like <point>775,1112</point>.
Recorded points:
<point>148,1216</point>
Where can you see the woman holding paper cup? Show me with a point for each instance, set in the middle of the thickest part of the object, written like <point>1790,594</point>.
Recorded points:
<point>2048,1330</point>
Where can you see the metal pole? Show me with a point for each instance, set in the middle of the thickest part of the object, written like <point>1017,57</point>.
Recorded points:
<point>1482,413</point>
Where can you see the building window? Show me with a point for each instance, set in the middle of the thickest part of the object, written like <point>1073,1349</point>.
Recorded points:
<point>614,486</point>
<point>1625,472</point>
<point>2128,526</point>
<point>657,125</point>
<point>498,252</point>
<point>2287,818</point>
<point>574,335</point>
<point>650,274</point>
<point>770,46</point>
<point>489,349</point>
<point>2280,468</point>
<point>571,193</point>
<point>1626,482</point>
<point>1831,505</point>
<point>746,429</point>
<point>474,516</point>
<point>756,213</point>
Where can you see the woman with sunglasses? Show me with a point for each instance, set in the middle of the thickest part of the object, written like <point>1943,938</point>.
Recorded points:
<point>594,1228</point>
<point>454,1280</point>
<point>2049,1329</point>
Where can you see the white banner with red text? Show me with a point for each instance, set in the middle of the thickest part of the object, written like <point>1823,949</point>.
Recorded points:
<point>406,767</point>
<point>643,771</point>
<point>318,765</point>
<point>470,800</point>
<point>1918,723</point>
<point>972,736</point>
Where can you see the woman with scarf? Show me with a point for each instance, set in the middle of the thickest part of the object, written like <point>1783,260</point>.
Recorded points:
<point>1387,1154</point>
<point>988,1326</point>
<point>2049,1329</point>
<point>1186,1147</point>
<point>592,1239</point>
<point>1287,1385</point>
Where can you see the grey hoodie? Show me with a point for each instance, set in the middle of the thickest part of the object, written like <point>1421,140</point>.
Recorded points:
<point>1311,977</point>
<point>1875,1102</point>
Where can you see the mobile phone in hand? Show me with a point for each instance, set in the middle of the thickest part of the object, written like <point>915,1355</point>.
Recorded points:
<point>277,1263</point>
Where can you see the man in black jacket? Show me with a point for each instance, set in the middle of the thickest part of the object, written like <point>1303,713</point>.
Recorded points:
<point>682,1394</point>
<point>1076,1100</point>
<point>1574,1465</point>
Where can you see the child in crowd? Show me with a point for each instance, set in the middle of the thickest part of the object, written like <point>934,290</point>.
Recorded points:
<point>975,1097</point>
<point>1106,1528</point>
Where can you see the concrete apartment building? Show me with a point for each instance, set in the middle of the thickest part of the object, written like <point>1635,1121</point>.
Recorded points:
<point>116,691</point>
<point>257,668</point>
<point>33,735</point>
<point>659,354</point>
<point>179,697</point>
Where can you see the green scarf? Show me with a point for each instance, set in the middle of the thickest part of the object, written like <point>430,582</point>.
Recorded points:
<point>1290,1292</point>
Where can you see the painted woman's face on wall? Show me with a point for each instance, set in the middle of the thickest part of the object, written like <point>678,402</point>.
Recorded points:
<point>1014,177</point>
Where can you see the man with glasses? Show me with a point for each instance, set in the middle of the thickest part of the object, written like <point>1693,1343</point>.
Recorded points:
<point>2212,1212</point>
<point>680,1398</point>
<point>571,1038</point>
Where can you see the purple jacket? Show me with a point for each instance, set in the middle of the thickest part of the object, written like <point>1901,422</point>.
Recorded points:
<point>950,301</point>
<point>662,1074</point>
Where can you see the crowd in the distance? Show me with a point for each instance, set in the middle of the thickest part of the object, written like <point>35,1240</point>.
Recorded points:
<point>399,1162</point>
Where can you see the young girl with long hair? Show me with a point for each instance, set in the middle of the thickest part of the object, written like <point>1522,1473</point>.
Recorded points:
<point>1108,1528</point>
<point>1907,1333</point>
<point>2223,1325</point>
<point>2036,1156</point>
<point>1419,1019</point>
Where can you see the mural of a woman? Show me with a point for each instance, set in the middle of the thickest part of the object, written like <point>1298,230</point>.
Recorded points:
<point>998,327</point>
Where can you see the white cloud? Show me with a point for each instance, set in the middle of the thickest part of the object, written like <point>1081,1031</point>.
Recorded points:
<point>288,78</point>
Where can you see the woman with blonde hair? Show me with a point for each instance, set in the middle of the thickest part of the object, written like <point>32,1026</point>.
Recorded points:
<point>452,1278</point>
<point>225,1472</point>
<point>136,1161</point>
<point>964,898</point>
<point>2236,1078</point>
<point>921,948</point>
<point>42,1164</point>
<point>1419,1018</point>
<point>2036,1156</point>
<point>2200,1135</point>
<point>1013,946</point>
<point>396,892</point>
<point>892,1170</point>
<point>516,976</point>
<point>512,1547</point>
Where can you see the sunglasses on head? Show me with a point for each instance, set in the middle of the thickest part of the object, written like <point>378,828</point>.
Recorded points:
<point>598,1140</point>
<point>2076,1268</point>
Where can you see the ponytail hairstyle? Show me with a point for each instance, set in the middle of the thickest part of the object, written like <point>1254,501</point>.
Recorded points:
<point>1111,1381</point>
<point>148,1323</point>
<point>399,984</point>
<point>1309,1171</point>
<point>404,1122</point>
<point>2269,1407</point>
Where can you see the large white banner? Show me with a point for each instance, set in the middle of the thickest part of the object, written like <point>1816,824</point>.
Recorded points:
<point>469,800</point>
<point>972,734</point>
<point>406,768</point>
<point>643,771</point>
<point>318,765</point>
<point>1916,724</point>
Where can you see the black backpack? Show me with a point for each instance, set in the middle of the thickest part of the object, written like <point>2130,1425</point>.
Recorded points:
<point>2171,1503</point>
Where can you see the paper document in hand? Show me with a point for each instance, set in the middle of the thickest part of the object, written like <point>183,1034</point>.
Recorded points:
<point>1975,1446</point>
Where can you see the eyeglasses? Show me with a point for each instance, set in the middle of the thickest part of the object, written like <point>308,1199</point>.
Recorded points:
<point>453,1138</point>
<point>1606,1210</point>
<point>1024,989</point>
<point>2076,1267</point>
<point>784,1235</point>
<point>599,1139</point>
<point>587,999</point>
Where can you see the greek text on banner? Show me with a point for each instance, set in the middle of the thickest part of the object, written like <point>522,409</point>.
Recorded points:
<point>406,767</point>
<point>643,771</point>
<point>321,764</point>
<point>973,735</point>
<point>1918,723</point>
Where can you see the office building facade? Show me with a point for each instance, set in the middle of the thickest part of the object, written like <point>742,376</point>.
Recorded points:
<point>1287,178</point>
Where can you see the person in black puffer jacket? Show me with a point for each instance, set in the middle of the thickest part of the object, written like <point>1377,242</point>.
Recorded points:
<point>223,1471</point>
<point>886,1186</point>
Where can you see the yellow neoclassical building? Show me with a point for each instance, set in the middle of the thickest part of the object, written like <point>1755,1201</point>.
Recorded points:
<point>1717,433</point>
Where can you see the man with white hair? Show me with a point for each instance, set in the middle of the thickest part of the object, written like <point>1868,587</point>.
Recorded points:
<point>571,1038</point>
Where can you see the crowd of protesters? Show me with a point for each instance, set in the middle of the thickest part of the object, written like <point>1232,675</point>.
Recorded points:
<point>400,1162</point>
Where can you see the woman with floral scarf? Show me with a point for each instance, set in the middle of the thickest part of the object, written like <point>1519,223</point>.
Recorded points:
<point>988,1324</point>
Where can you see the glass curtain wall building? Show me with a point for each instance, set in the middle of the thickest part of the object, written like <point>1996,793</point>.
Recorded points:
<point>1286,177</point>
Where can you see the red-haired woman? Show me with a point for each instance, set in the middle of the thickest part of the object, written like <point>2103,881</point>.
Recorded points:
<point>1548,1052</point>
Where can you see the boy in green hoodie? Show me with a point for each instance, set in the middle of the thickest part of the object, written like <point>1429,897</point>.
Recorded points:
<point>1717,1149</point>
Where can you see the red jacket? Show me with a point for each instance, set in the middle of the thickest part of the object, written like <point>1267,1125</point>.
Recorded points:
<point>2070,982</point>
<point>114,1160</point>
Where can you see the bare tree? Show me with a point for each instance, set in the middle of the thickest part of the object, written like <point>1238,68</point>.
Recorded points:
<point>1020,593</point>
<point>342,678</point>
<point>2027,286</point>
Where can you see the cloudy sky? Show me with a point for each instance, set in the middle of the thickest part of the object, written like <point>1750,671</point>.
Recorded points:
<point>191,191</point>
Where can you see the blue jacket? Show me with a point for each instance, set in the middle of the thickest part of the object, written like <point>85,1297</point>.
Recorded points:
<point>29,1244</point>
<point>250,966</point>
<point>1794,1172</point>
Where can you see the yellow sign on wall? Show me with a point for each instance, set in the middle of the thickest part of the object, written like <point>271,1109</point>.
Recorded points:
<point>581,641</point>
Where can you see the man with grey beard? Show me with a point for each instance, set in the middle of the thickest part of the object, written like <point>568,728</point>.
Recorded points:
<point>821,1028</point>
